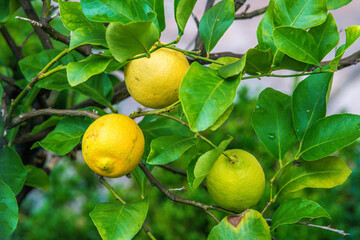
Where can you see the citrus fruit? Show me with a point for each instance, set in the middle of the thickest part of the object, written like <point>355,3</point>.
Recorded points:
<point>154,82</point>
<point>236,185</point>
<point>113,145</point>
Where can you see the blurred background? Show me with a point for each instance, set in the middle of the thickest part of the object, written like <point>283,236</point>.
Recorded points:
<point>63,212</point>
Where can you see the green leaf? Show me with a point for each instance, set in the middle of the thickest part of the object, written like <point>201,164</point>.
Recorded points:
<point>167,149</point>
<point>223,61</point>
<point>160,13</point>
<point>206,161</point>
<point>265,29</point>
<point>12,170</point>
<point>127,40</point>
<point>65,136</point>
<point>52,121</point>
<point>183,10</point>
<point>221,120</point>
<point>296,209</point>
<point>8,7</point>
<point>258,61</point>
<point>298,44</point>
<point>9,211</point>
<point>272,122</point>
<point>324,173</point>
<point>249,225</point>
<point>329,135</point>
<point>140,178</point>
<point>309,101</point>
<point>233,69</point>
<point>37,177</point>
<point>79,72</point>
<point>82,36</point>
<point>326,36</point>
<point>301,13</point>
<point>123,11</point>
<point>119,221</point>
<point>335,4</point>
<point>205,96</point>
<point>215,22</point>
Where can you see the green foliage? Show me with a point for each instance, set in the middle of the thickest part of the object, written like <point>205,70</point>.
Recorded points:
<point>183,9</point>
<point>9,211</point>
<point>37,177</point>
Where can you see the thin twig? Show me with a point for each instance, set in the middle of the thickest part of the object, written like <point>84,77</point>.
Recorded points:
<point>9,81</point>
<point>26,38</point>
<point>341,232</point>
<point>173,169</point>
<point>10,41</point>
<point>247,15</point>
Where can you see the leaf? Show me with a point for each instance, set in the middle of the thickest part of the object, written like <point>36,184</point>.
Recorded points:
<point>37,177</point>
<point>12,170</point>
<point>9,211</point>
<point>265,29</point>
<point>52,121</point>
<point>326,36</point>
<point>309,101</point>
<point>206,161</point>
<point>258,61</point>
<point>119,221</point>
<point>300,14</point>
<point>167,149</point>
<point>79,72</point>
<point>335,4</point>
<point>65,136</point>
<point>298,44</point>
<point>205,96</point>
<point>249,225</point>
<point>127,40</point>
<point>123,11</point>
<point>160,14</point>
<point>183,10</point>
<point>8,7</point>
<point>141,179</point>
<point>272,122</point>
<point>82,36</point>
<point>222,119</point>
<point>233,69</point>
<point>329,135</point>
<point>223,61</point>
<point>296,209</point>
<point>324,173</point>
<point>215,22</point>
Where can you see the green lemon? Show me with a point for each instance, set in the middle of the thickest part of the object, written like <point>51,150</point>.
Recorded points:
<point>236,185</point>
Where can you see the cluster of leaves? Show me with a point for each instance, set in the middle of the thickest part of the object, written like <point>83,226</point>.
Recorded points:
<point>291,35</point>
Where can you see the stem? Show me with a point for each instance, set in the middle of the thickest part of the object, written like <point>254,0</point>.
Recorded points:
<point>341,232</point>
<point>140,113</point>
<point>272,200</point>
<point>284,76</point>
<point>191,54</point>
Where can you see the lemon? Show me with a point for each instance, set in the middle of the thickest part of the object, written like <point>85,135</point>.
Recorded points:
<point>154,82</point>
<point>236,186</point>
<point>113,145</point>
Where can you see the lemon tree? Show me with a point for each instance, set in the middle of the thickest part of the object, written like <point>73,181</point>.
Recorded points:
<point>62,91</point>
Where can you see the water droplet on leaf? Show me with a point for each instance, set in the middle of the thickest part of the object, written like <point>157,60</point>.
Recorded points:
<point>271,136</point>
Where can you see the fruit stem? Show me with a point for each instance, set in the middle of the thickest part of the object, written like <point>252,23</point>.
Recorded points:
<point>106,184</point>
<point>193,55</point>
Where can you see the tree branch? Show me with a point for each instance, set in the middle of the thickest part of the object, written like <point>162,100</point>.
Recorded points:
<point>341,232</point>
<point>52,112</point>
<point>246,15</point>
<point>10,41</point>
<point>9,81</point>
<point>173,169</point>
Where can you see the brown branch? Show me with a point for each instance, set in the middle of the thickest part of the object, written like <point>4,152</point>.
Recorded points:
<point>52,112</point>
<point>26,38</point>
<point>30,12</point>
<point>341,232</point>
<point>9,81</point>
<point>173,169</point>
<point>246,15</point>
<point>238,4</point>
<point>177,199</point>
<point>10,41</point>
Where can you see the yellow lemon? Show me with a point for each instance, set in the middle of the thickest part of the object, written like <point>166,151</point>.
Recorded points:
<point>154,82</point>
<point>113,145</point>
<point>236,186</point>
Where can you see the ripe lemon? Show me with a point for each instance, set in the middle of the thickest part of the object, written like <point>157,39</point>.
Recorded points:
<point>154,82</point>
<point>113,145</point>
<point>236,186</point>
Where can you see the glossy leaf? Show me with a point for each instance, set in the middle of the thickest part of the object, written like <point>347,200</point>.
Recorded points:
<point>326,36</point>
<point>169,148</point>
<point>119,221</point>
<point>335,4</point>
<point>52,121</point>
<point>300,14</point>
<point>183,10</point>
<point>233,69</point>
<point>223,61</point>
<point>79,72</point>
<point>324,173</point>
<point>65,136</point>
<point>246,226</point>
<point>222,119</point>
<point>309,101</point>
<point>215,22</point>
<point>37,177</point>
<point>258,61</point>
<point>82,36</point>
<point>272,122</point>
<point>12,170</point>
<point>296,209</point>
<point>205,96</point>
<point>9,211</point>
<point>298,44</point>
<point>329,135</point>
<point>127,40</point>
<point>206,161</point>
<point>265,30</point>
<point>123,11</point>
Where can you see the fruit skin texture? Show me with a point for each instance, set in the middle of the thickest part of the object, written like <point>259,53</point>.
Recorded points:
<point>113,145</point>
<point>154,82</point>
<point>237,186</point>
